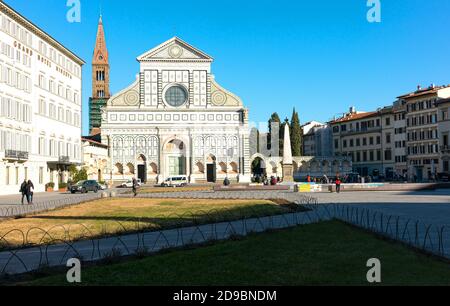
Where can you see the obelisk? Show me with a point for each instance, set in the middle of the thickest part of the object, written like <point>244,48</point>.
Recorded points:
<point>288,164</point>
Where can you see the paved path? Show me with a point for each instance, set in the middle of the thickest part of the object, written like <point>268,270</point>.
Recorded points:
<point>431,207</point>
<point>11,206</point>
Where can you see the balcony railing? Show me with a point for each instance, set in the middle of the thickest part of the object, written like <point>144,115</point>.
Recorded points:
<point>64,160</point>
<point>362,131</point>
<point>16,155</point>
<point>445,149</point>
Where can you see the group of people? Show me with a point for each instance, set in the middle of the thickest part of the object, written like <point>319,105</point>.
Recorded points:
<point>326,180</point>
<point>323,180</point>
<point>270,181</point>
<point>27,191</point>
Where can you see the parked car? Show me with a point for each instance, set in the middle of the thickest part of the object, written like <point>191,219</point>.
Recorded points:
<point>85,187</point>
<point>129,184</point>
<point>443,177</point>
<point>175,181</point>
<point>103,186</point>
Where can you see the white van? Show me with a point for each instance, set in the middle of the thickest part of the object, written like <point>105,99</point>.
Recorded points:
<point>175,181</point>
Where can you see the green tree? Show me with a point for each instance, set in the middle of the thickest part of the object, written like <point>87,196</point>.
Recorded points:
<point>77,175</point>
<point>296,135</point>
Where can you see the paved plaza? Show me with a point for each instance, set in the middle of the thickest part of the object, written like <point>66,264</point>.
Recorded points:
<point>431,207</point>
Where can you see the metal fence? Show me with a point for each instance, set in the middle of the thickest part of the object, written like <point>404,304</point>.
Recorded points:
<point>26,251</point>
<point>431,238</point>
<point>11,211</point>
<point>37,248</point>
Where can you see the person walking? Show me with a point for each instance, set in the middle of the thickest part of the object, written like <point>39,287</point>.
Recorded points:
<point>135,187</point>
<point>30,192</point>
<point>338,185</point>
<point>23,191</point>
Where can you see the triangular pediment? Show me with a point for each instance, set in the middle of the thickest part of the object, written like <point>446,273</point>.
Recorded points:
<point>175,49</point>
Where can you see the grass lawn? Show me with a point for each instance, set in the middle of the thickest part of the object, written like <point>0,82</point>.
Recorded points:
<point>113,216</point>
<point>329,253</point>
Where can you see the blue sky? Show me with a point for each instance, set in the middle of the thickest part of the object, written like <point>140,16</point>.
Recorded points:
<point>318,56</point>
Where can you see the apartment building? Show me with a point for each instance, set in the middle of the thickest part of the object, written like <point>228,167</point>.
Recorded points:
<point>317,140</point>
<point>400,151</point>
<point>367,137</point>
<point>40,111</point>
<point>422,131</point>
<point>444,133</point>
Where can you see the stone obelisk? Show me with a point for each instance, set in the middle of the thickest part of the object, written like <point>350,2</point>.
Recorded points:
<point>288,164</point>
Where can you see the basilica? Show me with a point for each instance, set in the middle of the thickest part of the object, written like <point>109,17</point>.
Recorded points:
<point>176,120</point>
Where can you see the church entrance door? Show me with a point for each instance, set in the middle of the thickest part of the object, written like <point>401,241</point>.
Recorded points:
<point>142,168</point>
<point>175,158</point>
<point>212,173</point>
<point>176,166</point>
<point>142,173</point>
<point>211,169</point>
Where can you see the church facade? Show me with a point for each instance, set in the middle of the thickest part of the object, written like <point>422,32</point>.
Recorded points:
<point>175,119</point>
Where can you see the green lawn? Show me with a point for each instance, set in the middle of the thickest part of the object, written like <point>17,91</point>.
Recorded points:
<point>329,253</point>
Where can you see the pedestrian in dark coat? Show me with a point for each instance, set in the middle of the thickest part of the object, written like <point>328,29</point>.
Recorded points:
<point>23,190</point>
<point>30,192</point>
<point>135,187</point>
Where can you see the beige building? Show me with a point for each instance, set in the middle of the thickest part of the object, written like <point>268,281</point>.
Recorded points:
<point>400,153</point>
<point>368,138</point>
<point>95,159</point>
<point>422,131</point>
<point>317,140</point>
<point>444,133</point>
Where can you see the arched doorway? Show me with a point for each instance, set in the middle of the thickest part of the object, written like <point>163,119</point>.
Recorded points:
<point>211,169</point>
<point>175,158</point>
<point>142,168</point>
<point>258,167</point>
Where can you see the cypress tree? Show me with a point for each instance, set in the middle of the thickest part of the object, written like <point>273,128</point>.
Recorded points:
<point>296,135</point>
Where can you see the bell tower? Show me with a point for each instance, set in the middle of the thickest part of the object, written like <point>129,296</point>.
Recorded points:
<point>100,79</point>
